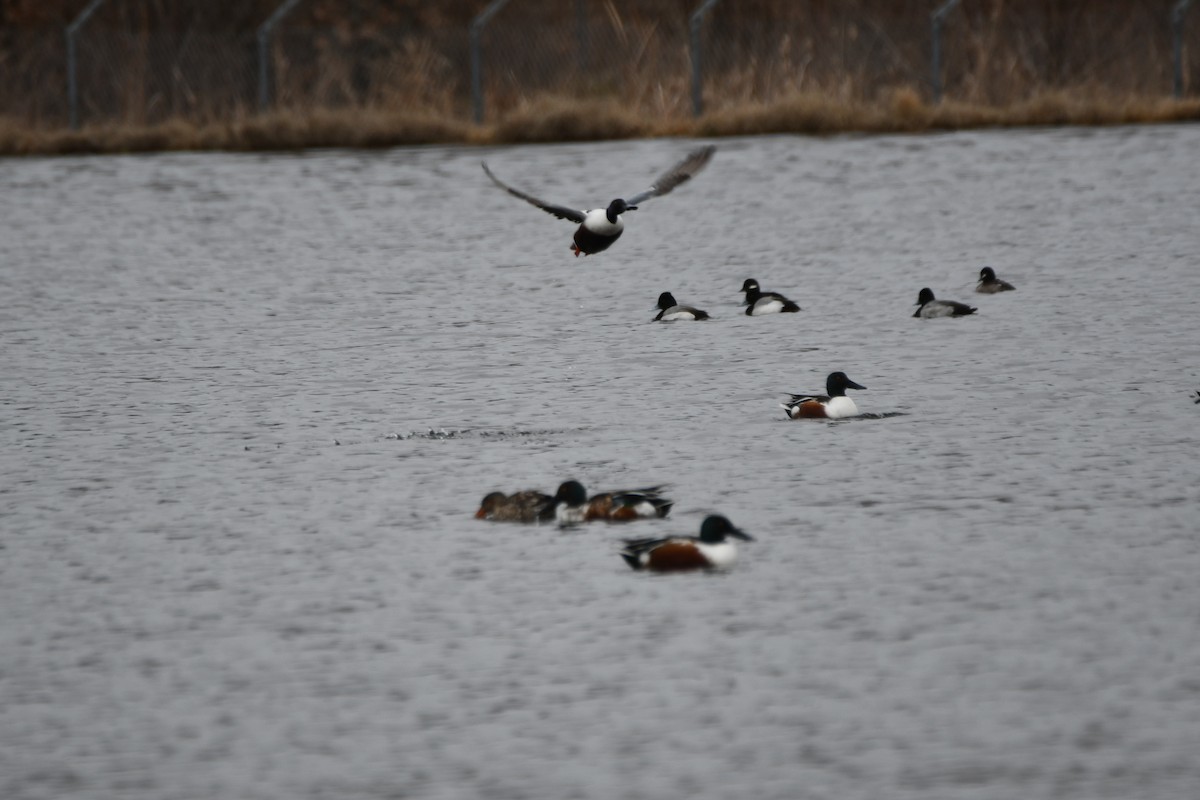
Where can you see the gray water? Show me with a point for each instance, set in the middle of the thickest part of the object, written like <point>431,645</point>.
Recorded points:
<point>251,402</point>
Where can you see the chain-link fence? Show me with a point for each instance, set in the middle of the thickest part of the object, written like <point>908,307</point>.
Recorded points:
<point>654,58</point>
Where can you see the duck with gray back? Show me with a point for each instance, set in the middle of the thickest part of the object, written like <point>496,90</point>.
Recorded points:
<point>930,307</point>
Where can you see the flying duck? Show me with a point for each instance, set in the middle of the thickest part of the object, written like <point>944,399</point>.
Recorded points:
<point>670,310</point>
<point>759,302</point>
<point>712,549</point>
<point>571,504</point>
<point>600,227</point>
<point>832,405</point>
<point>990,284</point>
<point>930,308</point>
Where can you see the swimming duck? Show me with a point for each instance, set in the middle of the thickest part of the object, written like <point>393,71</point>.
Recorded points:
<point>712,549</point>
<point>670,310</point>
<point>600,227</point>
<point>990,284</point>
<point>571,504</point>
<point>929,307</point>
<point>759,302</point>
<point>832,405</point>
<point>527,506</point>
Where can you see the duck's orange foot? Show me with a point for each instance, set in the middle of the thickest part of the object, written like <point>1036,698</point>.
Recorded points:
<point>575,249</point>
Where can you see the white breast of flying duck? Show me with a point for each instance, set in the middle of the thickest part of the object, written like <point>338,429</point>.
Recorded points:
<point>766,305</point>
<point>839,407</point>
<point>596,221</point>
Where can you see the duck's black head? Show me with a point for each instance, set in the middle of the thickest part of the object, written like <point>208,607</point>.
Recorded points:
<point>618,207</point>
<point>714,529</point>
<point>837,383</point>
<point>750,285</point>
<point>987,275</point>
<point>666,300</point>
<point>572,493</point>
<point>926,296</point>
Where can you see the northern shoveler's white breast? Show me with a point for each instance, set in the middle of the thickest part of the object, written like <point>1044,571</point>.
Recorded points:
<point>930,307</point>
<point>600,227</point>
<point>712,549</point>
<point>832,405</point>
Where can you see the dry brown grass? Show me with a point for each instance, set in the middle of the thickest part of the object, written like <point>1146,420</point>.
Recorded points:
<point>560,119</point>
<point>276,131</point>
<point>398,74</point>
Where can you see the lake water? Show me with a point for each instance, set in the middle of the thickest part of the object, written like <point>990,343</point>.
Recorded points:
<point>251,402</point>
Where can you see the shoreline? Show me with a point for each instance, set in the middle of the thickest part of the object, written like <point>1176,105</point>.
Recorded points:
<point>557,119</point>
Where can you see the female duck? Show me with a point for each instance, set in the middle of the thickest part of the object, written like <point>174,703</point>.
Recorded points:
<point>990,284</point>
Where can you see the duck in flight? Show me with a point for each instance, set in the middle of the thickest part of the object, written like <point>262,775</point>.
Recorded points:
<point>600,227</point>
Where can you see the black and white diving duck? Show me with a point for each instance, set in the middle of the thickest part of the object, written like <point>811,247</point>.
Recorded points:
<point>600,227</point>
<point>759,302</point>
<point>931,307</point>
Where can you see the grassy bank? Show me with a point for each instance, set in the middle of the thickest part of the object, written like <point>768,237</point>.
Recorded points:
<point>359,73</point>
<point>556,119</point>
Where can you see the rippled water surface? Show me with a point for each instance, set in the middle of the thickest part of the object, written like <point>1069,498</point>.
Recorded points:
<point>250,403</point>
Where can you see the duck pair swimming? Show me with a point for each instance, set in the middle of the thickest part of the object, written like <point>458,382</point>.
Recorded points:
<point>930,307</point>
<point>757,303</point>
<point>571,505</point>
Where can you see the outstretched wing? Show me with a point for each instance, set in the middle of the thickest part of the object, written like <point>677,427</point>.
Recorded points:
<point>562,212</point>
<point>680,173</point>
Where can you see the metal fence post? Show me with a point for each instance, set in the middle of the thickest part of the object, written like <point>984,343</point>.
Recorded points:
<point>73,62</point>
<point>1177,14</point>
<point>697,65</point>
<point>936,24</point>
<point>582,33</point>
<point>476,33</point>
<point>264,45</point>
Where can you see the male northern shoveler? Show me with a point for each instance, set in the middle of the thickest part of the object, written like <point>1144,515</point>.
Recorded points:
<point>600,227</point>
<point>832,405</point>
<point>527,506</point>
<point>990,284</point>
<point>710,550</point>
<point>572,505</point>
<point>670,310</point>
<point>930,307</point>
<point>759,302</point>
